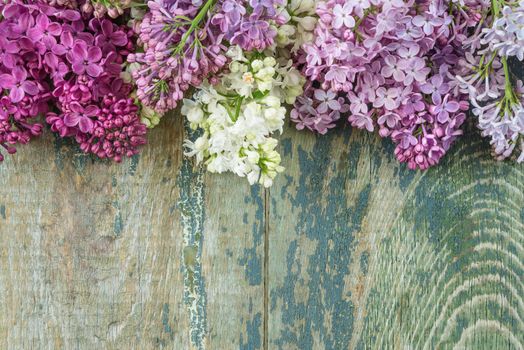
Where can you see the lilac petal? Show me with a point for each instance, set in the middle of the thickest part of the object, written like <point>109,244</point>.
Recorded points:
<point>7,81</point>
<point>49,41</point>
<point>19,74</point>
<point>30,87</point>
<point>79,51</point>
<point>71,119</point>
<point>452,106</point>
<point>87,38</point>
<point>67,38</point>
<point>76,107</point>
<point>9,61</point>
<point>35,34</point>
<point>119,38</point>
<point>85,125</point>
<point>78,68</point>
<point>11,11</point>
<point>54,29</point>
<point>116,85</point>
<point>16,94</point>
<point>91,110</point>
<point>70,15</point>
<point>59,50</point>
<point>11,47</point>
<point>42,21</point>
<point>436,98</point>
<point>107,27</point>
<point>443,117</point>
<point>26,44</point>
<point>94,54</point>
<point>94,70</point>
<point>334,105</point>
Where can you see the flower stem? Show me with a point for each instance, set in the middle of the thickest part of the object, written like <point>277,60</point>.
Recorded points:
<point>194,24</point>
<point>508,88</point>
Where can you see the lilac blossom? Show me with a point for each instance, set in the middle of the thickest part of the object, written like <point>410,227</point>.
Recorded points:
<point>185,43</point>
<point>394,65</point>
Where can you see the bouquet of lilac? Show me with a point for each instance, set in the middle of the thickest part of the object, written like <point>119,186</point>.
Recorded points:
<point>485,75</point>
<point>391,66</point>
<point>102,72</point>
<point>185,42</point>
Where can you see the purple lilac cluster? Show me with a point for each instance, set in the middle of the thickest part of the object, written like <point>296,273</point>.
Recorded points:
<point>185,42</point>
<point>93,101</point>
<point>388,65</point>
<point>24,90</point>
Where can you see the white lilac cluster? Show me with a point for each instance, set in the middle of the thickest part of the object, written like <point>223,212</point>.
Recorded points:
<point>497,97</point>
<point>238,115</point>
<point>300,23</point>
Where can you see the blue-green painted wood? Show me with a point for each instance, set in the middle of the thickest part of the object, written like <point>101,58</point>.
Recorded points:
<point>349,250</point>
<point>365,254</point>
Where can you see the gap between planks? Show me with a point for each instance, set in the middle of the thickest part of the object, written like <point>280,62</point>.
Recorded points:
<point>266,269</point>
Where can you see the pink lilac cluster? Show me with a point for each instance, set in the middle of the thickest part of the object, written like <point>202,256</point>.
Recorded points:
<point>388,64</point>
<point>185,42</point>
<point>24,92</point>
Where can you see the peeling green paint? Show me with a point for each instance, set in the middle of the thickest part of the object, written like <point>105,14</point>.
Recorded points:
<point>192,210</point>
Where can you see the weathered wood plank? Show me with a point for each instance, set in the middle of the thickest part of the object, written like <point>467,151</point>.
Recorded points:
<point>233,263</point>
<point>142,255</point>
<point>365,254</point>
<point>90,251</point>
<point>225,255</point>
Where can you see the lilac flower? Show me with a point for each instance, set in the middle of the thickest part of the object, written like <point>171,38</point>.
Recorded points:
<point>392,68</point>
<point>443,110</point>
<point>8,49</point>
<point>81,116</point>
<point>110,38</point>
<point>44,31</point>
<point>435,87</point>
<point>387,98</point>
<point>342,16</point>
<point>86,59</point>
<point>18,84</point>
<point>7,108</point>
<point>327,101</point>
<point>234,11</point>
<point>427,24</point>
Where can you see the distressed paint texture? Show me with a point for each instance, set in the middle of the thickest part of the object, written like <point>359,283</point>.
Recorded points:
<point>364,254</point>
<point>348,250</point>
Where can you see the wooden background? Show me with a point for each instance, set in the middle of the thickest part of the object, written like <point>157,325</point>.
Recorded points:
<point>348,250</point>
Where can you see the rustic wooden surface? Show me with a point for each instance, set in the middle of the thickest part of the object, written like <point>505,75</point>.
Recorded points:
<point>349,250</point>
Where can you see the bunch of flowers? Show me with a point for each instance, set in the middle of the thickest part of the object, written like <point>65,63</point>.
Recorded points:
<point>94,102</point>
<point>387,64</point>
<point>185,41</point>
<point>54,54</point>
<point>237,116</point>
<point>496,95</point>
<point>23,90</point>
<point>103,71</point>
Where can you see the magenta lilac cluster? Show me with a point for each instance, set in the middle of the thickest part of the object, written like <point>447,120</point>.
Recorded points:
<point>387,65</point>
<point>93,101</point>
<point>24,89</point>
<point>185,42</point>
<point>56,56</point>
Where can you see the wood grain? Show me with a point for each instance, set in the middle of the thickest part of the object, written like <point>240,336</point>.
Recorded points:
<point>367,255</point>
<point>349,250</point>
